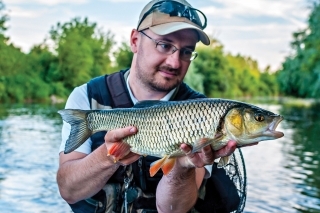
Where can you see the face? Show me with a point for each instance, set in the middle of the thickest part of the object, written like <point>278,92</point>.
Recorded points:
<point>158,71</point>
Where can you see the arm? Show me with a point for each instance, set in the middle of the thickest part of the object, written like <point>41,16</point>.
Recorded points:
<point>178,191</point>
<point>80,176</point>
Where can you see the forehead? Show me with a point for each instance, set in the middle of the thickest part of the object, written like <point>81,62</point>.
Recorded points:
<point>187,36</point>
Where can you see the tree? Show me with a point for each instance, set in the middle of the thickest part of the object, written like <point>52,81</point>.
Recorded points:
<point>300,75</point>
<point>123,56</point>
<point>3,19</point>
<point>212,64</point>
<point>82,50</point>
<point>194,78</point>
<point>218,74</point>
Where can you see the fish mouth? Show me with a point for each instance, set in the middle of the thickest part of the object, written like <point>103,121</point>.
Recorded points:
<point>271,131</point>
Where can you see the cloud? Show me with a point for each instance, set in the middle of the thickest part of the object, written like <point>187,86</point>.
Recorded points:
<point>49,2</point>
<point>124,1</point>
<point>23,13</point>
<point>291,11</point>
<point>260,29</point>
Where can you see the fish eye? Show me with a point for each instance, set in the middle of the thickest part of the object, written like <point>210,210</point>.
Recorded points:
<point>259,117</point>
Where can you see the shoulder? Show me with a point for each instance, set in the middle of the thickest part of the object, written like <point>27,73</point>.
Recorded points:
<point>78,99</point>
<point>102,90</point>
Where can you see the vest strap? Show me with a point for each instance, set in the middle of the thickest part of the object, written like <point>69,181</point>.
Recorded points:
<point>118,91</point>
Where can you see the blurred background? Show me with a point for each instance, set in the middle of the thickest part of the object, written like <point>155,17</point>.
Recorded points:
<point>263,52</point>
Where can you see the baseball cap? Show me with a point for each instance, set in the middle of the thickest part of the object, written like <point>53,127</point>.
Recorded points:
<point>167,16</point>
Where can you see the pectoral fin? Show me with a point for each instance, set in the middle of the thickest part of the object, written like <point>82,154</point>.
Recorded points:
<point>206,141</point>
<point>223,161</point>
<point>119,150</point>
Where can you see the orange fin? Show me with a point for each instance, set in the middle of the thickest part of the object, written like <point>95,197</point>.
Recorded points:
<point>155,166</point>
<point>119,150</point>
<point>168,165</point>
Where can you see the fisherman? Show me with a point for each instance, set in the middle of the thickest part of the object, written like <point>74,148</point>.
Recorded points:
<point>89,179</point>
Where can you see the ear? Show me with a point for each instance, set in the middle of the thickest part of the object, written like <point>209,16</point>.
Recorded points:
<point>134,40</point>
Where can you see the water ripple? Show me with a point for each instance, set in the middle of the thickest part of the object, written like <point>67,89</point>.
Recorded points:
<point>283,175</point>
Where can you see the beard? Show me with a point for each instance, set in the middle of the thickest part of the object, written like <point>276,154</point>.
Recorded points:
<point>149,79</point>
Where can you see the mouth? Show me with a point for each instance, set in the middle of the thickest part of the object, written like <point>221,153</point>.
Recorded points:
<point>272,128</point>
<point>168,72</point>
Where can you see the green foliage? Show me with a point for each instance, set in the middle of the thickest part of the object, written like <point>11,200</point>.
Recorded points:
<point>123,56</point>
<point>300,75</point>
<point>3,18</point>
<point>82,52</point>
<point>225,75</point>
<point>194,79</point>
<point>212,64</point>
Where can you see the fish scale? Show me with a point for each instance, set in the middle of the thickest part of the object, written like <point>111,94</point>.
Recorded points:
<point>167,126</point>
<point>163,126</point>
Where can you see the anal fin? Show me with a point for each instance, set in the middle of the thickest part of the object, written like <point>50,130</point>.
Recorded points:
<point>165,163</point>
<point>155,166</point>
<point>168,165</point>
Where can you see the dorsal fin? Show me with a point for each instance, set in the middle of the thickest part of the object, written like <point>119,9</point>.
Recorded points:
<point>149,103</point>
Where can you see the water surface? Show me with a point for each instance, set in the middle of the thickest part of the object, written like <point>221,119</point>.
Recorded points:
<point>283,175</point>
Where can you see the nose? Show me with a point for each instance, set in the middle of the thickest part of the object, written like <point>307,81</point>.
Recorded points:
<point>174,60</point>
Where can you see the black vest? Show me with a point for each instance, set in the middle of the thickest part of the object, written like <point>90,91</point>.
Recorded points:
<point>111,91</point>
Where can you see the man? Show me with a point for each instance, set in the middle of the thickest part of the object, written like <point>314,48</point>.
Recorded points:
<point>163,45</point>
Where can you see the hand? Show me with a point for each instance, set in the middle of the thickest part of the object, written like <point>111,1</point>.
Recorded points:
<point>206,155</point>
<point>114,142</point>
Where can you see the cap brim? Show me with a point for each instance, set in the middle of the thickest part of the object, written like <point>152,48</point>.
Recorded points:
<point>164,29</point>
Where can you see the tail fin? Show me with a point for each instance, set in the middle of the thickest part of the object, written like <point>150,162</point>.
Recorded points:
<point>79,128</point>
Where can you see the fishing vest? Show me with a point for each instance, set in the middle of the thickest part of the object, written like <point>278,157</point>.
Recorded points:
<point>131,189</point>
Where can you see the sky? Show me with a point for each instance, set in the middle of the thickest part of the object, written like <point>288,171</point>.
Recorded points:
<point>261,29</point>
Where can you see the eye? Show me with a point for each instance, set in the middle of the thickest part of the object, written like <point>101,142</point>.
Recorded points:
<point>186,52</point>
<point>164,47</point>
<point>259,117</point>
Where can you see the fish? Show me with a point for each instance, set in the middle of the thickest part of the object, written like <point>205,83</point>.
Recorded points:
<point>164,125</point>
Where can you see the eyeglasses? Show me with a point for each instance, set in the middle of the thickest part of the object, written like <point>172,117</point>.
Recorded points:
<point>174,8</point>
<point>168,49</point>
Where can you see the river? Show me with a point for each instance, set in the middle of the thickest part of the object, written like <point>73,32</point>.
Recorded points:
<point>283,175</point>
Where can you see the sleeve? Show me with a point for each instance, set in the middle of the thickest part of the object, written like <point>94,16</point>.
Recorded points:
<point>78,99</point>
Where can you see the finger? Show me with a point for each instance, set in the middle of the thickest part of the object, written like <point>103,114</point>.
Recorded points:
<point>117,135</point>
<point>208,154</point>
<point>185,148</point>
<point>186,161</point>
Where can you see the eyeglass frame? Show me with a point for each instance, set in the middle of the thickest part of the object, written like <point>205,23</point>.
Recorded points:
<point>194,54</point>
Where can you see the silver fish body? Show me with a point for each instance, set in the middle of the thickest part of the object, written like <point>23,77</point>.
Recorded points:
<point>164,126</point>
